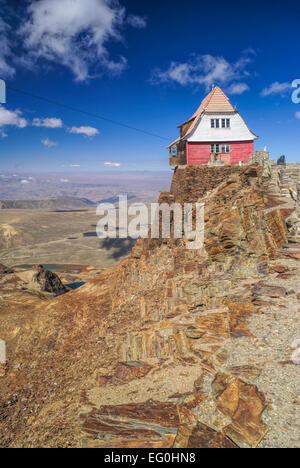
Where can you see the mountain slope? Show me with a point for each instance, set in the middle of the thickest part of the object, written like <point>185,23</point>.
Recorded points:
<point>171,347</point>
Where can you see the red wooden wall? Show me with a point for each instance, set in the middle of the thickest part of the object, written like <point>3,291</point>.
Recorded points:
<point>199,153</point>
<point>240,151</point>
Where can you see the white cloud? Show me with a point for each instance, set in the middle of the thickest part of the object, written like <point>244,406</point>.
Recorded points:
<point>64,181</point>
<point>276,88</point>
<point>6,70</point>
<point>89,132</point>
<point>48,123</point>
<point>136,21</point>
<point>49,143</point>
<point>24,182</point>
<point>12,118</point>
<point>111,164</point>
<point>238,88</point>
<point>297,115</point>
<point>74,165</point>
<point>206,70</point>
<point>75,33</point>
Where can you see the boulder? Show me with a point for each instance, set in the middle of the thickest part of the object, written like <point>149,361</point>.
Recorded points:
<point>42,280</point>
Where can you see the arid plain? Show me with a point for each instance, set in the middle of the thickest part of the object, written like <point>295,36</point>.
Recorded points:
<point>52,218</point>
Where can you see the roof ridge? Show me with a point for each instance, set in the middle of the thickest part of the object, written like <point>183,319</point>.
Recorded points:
<point>207,100</point>
<point>204,102</point>
<point>216,101</point>
<point>210,96</point>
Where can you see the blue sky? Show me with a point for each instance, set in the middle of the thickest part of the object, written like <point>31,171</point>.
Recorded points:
<point>147,64</point>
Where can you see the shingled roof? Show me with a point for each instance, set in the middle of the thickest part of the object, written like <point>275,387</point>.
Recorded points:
<point>215,101</point>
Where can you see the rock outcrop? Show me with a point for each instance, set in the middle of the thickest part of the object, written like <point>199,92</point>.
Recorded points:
<point>170,347</point>
<point>4,270</point>
<point>40,279</point>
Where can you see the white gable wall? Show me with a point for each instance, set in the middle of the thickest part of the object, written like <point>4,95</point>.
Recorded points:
<point>238,130</point>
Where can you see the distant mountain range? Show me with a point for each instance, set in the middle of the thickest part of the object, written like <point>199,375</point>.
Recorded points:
<point>58,203</point>
<point>145,186</point>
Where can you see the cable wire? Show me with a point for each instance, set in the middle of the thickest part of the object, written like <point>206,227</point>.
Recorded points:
<point>90,114</point>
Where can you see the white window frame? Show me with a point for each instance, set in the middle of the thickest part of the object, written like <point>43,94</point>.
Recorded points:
<point>225,148</point>
<point>215,148</point>
<point>215,123</point>
<point>220,123</point>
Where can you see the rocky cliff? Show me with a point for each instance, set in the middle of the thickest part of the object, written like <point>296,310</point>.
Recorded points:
<point>172,347</point>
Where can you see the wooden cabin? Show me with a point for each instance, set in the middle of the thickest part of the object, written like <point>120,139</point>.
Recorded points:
<point>215,133</point>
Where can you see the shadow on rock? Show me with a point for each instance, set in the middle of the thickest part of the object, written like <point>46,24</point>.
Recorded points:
<point>120,247</point>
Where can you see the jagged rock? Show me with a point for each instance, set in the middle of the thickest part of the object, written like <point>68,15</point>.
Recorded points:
<point>126,371</point>
<point>262,289</point>
<point>4,270</point>
<point>279,269</point>
<point>292,253</point>
<point>201,436</point>
<point>244,404</point>
<point>149,424</point>
<point>40,279</point>
<point>239,312</point>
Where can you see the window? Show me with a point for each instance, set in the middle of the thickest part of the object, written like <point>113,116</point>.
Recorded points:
<point>174,152</point>
<point>215,149</point>
<point>220,123</point>
<point>215,123</point>
<point>225,148</point>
